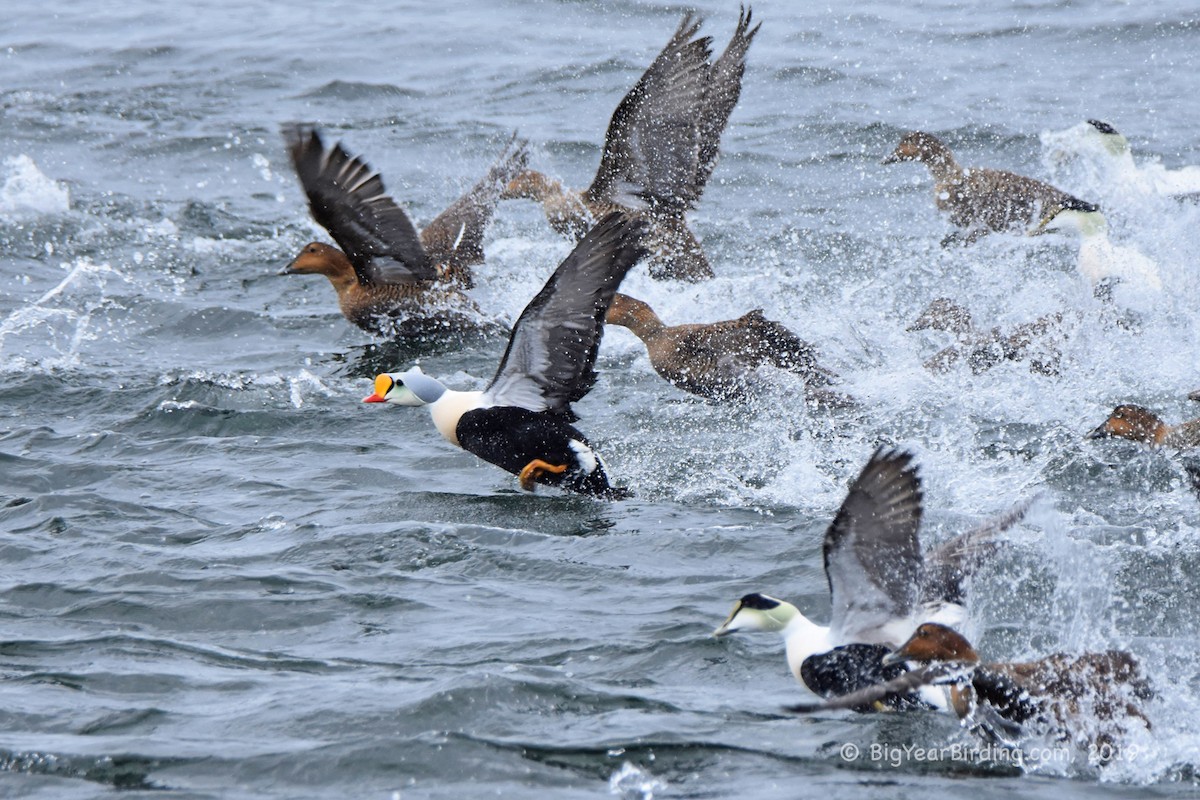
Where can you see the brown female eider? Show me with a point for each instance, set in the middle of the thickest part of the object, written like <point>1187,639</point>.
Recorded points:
<point>661,147</point>
<point>717,359</point>
<point>389,280</point>
<point>982,200</point>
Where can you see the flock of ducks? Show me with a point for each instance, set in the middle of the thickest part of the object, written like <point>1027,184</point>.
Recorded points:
<point>893,640</point>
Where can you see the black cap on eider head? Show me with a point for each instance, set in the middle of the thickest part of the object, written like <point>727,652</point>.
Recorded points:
<point>1103,127</point>
<point>758,602</point>
<point>1075,204</point>
<point>757,612</point>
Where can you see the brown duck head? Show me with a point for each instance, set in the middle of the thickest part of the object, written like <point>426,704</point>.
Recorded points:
<point>933,642</point>
<point>923,147</point>
<point>1132,422</point>
<point>316,258</point>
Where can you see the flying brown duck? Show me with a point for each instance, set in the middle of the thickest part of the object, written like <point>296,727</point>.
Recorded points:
<point>982,200</point>
<point>661,147</point>
<point>389,280</point>
<point>717,359</point>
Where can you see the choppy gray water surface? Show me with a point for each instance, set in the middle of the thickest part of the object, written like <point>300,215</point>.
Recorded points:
<point>223,576</point>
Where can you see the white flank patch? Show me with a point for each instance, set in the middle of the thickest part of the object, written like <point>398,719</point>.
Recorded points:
<point>587,459</point>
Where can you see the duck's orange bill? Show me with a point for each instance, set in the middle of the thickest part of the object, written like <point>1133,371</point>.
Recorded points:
<point>383,385</point>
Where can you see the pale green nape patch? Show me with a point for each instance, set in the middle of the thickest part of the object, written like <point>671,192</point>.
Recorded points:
<point>1086,223</point>
<point>768,620</point>
<point>1115,143</point>
<point>401,395</point>
<point>1069,220</point>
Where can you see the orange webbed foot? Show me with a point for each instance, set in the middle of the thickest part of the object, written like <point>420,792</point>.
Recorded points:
<point>534,469</point>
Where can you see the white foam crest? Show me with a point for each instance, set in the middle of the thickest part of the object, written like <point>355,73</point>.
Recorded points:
<point>179,405</point>
<point>226,380</point>
<point>306,384</point>
<point>1099,167</point>
<point>27,189</point>
<point>632,782</point>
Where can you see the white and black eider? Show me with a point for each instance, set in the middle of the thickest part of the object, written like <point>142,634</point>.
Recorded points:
<point>522,422</point>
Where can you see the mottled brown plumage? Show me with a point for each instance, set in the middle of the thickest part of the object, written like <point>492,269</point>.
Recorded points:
<point>1035,341</point>
<point>717,359</point>
<point>982,200</point>
<point>389,280</point>
<point>660,149</point>
<point>1090,697</point>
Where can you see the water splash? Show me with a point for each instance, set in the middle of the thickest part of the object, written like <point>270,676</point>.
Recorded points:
<point>631,782</point>
<point>306,383</point>
<point>27,189</point>
<point>65,325</point>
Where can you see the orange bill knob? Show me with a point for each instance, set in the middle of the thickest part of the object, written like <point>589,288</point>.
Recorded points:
<point>383,385</point>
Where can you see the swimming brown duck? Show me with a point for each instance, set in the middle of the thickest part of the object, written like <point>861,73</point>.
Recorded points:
<point>1140,424</point>
<point>1036,341</point>
<point>1090,696</point>
<point>982,200</point>
<point>660,149</point>
<point>717,359</point>
<point>390,280</point>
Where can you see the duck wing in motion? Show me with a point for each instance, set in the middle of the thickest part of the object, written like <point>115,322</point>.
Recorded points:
<point>348,199</point>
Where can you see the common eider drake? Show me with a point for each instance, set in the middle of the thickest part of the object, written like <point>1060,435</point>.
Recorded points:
<point>522,421</point>
<point>1140,424</point>
<point>1090,696</point>
<point>1035,341</point>
<point>881,587</point>
<point>981,200</point>
<point>1104,153</point>
<point>1099,260</point>
<point>717,360</point>
<point>661,147</point>
<point>390,281</point>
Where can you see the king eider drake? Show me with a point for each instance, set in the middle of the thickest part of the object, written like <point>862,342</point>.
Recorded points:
<point>981,200</point>
<point>881,588</point>
<point>389,280</point>
<point>718,360</point>
<point>1089,697</point>
<point>660,149</point>
<point>522,421</point>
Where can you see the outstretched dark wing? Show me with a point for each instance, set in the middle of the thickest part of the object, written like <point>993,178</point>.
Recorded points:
<point>347,198</point>
<point>653,140</point>
<point>724,89</point>
<point>872,552</point>
<point>552,350</point>
<point>906,684</point>
<point>455,237</point>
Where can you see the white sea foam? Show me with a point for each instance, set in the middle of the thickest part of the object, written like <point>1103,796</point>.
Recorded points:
<point>28,189</point>
<point>631,782</point>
